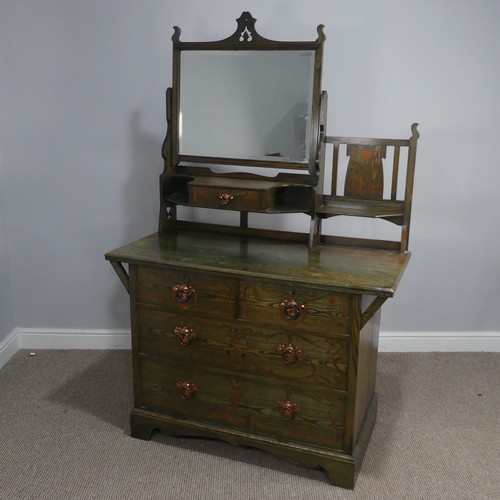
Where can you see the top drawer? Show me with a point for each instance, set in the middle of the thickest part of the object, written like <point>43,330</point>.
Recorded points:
<point>171,289</point>
<point>294,306</point>
<point>231,194</point>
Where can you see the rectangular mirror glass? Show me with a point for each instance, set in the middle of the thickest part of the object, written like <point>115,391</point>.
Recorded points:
<point>251,104</point>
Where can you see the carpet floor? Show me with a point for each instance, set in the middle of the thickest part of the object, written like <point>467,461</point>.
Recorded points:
<point>64,434</point>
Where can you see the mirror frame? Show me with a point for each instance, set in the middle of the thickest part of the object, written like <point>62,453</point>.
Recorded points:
<point>246,38</point>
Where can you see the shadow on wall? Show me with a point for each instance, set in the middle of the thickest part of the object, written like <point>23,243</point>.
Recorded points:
<point>140,200</point>
<point>141,196</point>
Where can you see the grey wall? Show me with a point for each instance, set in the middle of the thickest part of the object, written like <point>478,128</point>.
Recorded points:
<point>7,320</point>
<point>82,122</point>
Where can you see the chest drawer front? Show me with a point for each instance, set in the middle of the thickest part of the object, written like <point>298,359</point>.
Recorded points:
<point>314,416</point>
<point>192,292</point>
<point>298,357</point>
<point>294,306</point>
<point>188,339</point>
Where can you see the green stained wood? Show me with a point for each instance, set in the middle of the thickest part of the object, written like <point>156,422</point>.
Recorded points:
<point>246,347</point>
<point>249,335</point>
<point>323,360</point>
<point>351,269</point>
<point>213,295</point>
<point>365,173</point>
<point>247,365</point>
<point>213,345</point>
<point>323,310</point>
<point>244,402</point>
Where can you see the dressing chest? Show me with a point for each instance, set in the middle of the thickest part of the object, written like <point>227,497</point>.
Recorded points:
<point>262,337</point>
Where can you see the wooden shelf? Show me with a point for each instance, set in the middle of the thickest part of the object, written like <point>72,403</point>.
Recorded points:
<point>382,209</point>
<point>247,194</point>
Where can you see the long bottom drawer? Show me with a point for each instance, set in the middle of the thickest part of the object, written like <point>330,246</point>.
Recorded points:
<point>269,408</point>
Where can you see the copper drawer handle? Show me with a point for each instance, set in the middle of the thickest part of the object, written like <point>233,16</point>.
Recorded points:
<point>187,388</point>
<point>184,334</point>
<point>183,293</point>
<point>225,198</point>
<point>287,409</point>
<point>291,309</point>
<point>290,353</point>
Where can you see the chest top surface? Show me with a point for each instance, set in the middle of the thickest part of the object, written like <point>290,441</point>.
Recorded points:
<point>358,270</point>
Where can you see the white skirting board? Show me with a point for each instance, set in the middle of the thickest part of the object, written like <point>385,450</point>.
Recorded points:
<point>57,338</point>
<point>439,341</point>
<point>50,338</point>
<point>8,347</point>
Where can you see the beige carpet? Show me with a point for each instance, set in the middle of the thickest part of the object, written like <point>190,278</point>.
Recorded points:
<point>64,435</point>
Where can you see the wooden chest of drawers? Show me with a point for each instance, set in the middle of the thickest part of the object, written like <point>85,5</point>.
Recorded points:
<point>258,343</point>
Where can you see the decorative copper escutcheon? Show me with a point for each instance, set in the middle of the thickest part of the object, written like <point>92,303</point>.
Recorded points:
<point>187,388</point>
<point>183,293</point>
<point>287,409</point>
<point>225,198</point>
<point>291,309</point>
<point>185,334</point>
<point>290,353</point>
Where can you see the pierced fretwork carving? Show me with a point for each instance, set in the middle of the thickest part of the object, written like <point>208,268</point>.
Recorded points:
<point>246,27</point>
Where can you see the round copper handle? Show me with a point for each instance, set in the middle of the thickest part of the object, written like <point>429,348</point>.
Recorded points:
<point>225,198</point>
<point>287,409</point>
<point>185,334</point>
<point>291,309</point>
<point>290,353</point>
<point>183,293</point>
<point>187,388</point>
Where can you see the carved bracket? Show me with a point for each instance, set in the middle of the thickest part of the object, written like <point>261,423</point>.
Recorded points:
<point>371,310</point>
<point>122,274</point>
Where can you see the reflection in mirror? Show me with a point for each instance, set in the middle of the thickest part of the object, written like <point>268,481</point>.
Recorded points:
<point>246,104</point>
